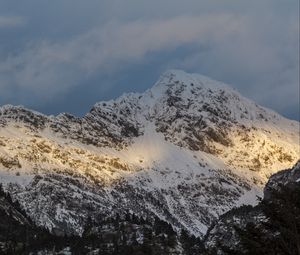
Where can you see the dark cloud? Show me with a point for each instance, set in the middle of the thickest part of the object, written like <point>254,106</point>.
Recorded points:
<point>64,55</point>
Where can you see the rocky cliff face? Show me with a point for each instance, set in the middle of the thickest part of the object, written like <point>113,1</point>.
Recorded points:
<point>186,151</point>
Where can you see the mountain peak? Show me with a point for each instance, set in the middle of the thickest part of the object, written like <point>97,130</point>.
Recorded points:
<point>191,79</point>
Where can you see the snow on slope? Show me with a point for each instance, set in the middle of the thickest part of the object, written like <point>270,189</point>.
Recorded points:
<point>187,150</point>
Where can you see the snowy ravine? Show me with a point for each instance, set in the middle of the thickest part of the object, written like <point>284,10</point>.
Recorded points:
<point>187,150</point>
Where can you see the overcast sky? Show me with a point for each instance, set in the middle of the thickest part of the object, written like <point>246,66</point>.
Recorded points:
<point>65,55</point>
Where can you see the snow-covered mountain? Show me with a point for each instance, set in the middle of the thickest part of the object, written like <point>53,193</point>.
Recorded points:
<point>187,150</point>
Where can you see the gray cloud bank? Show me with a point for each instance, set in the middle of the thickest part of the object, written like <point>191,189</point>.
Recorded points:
<point>11,21</point>
<point>251,46</point>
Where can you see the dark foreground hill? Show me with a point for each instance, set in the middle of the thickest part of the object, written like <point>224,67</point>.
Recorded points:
<point>271,227</point>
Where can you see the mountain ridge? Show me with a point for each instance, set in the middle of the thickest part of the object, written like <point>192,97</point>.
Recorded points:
<point>180,74</point>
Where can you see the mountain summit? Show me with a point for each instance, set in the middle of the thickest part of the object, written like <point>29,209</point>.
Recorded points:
<point>187,150</point>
